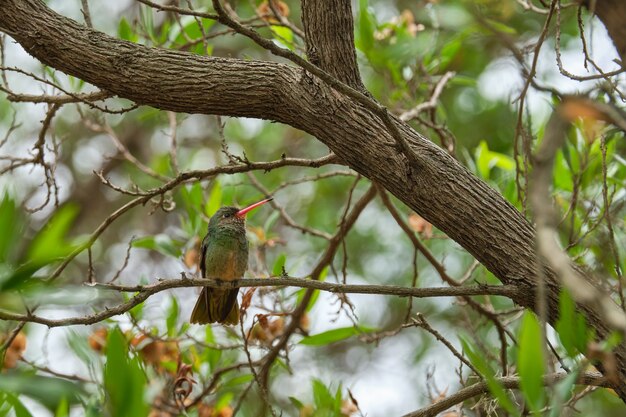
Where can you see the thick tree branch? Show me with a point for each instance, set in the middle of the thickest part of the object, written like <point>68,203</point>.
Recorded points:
<point>329,33</point>
<point>129,70</point>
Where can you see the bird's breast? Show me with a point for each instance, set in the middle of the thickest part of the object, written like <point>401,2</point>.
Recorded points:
<point>226,260</point>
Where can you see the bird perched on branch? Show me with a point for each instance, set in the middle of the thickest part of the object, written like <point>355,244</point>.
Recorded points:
<point>224,257</point>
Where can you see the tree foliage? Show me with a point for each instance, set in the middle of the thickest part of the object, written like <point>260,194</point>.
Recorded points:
<point>447,226</point>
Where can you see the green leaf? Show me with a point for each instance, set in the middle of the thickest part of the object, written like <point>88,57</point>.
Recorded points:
<point>565,325</point>
<point>196,196</point>
<point>164,31</point>
<point>224,400</point>
<point>530,362</point>
<point>574,333</point>
<point>228,194</point>
<point>463,80</point>
<point>338,400</point>
<point>238,380</point>
<point>190,29</point>
<point>161,243</point>
<point>210,355</point>
<point>583,333</point>
<point>483,160</point>
<point>137,311</point>
<point>172,317</point>
<point>333,336</point>
<point>322,397</point>
<point>45,390</point>
<point>214,201</point>
<point>192,197</point>
<point>63,410</point>
<point>316,293</point>
<point>611,342</point>
<point>501,27</point>
<point>126,31</point>
<point>201,49</point>
<point>450,50</point>
<point>562,393</point>
<point>5,408</point>
<point>486,160</point>
<point>77,342</point>
<point>147,21</point>
<point>124,380</point>
<point>209,336</point>
<point>49,244</point>
<point>279,265</point>
<point>161,164</point>
<point>270,221</point>
<point>296,402</point>
<point>93,408</point>
<point>366,27</point>
<point>563,179</point>
<point>10,224</point>
<point>18,407</point>
<point>503,162</point>
<point>496,389</point>
<point>11,278</point>
<point>284,35</point>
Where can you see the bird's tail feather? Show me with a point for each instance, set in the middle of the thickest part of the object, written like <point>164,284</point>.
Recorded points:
<point>216,305</point>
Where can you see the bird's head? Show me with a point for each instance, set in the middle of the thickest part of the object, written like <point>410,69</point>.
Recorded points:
<point>232,217</point>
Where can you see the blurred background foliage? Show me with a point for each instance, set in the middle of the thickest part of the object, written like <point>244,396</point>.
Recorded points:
<point>352,355</point>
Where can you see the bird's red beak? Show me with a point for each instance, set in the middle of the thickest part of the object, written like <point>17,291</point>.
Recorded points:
<point>242,213</point>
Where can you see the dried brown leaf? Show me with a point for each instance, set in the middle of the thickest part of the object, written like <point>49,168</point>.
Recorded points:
<point>265,11</point>
<point>421,225</point>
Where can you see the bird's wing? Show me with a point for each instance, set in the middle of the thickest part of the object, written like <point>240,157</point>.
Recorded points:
<point>203,249</point>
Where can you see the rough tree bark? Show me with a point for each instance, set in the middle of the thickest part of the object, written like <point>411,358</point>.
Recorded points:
<point>438,187</point>
<point>330,39</point>
<point>613,14</point>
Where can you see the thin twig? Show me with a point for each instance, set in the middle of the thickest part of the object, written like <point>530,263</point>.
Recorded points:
<point>86,13</point>
<point>432,102</point>
<point>420,320</point>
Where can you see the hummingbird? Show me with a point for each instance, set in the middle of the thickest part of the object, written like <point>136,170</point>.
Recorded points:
<point>224,256</point>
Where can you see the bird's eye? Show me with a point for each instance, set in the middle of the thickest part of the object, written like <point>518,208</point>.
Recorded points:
<point>227,215</point>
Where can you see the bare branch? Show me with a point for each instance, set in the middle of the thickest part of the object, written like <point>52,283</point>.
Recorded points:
<point>508,382</point>
<point>59,99</point>
<point>178,10</point>
<point>421,321</point>
<point>68,98</point>
<point>86,13</point>
<point>145,291</point>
